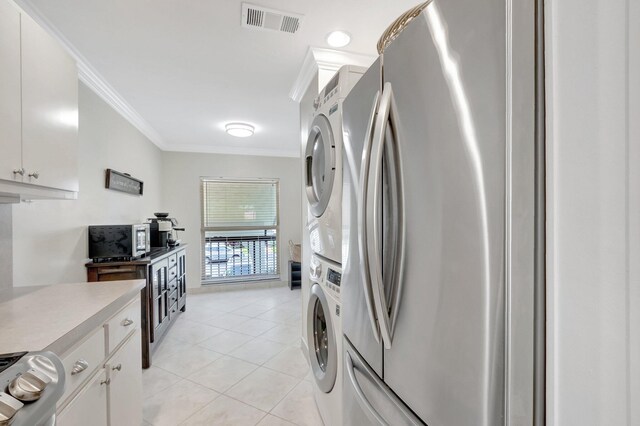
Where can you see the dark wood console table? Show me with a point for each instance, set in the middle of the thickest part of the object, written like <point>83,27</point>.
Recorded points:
<point>164,297</point>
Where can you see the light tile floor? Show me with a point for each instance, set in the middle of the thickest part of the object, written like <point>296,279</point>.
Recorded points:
<point>233,358</point>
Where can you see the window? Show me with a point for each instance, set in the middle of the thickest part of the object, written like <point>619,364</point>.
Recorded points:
<point>239,229</point>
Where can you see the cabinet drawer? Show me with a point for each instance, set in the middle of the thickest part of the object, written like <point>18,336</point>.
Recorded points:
<point>173,260</point>
<point>173,298</point>
<point>123,323</point>
<point>173,273</point>
<point>121,272</point>
<point>173,311</point>
<point>84,359</point>
<point>172,286</point>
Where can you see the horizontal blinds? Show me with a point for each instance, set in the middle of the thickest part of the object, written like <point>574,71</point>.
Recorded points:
<point>239,205</point>
<point>239,229</point>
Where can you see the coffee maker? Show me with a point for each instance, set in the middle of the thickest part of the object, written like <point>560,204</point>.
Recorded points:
<point>161,227</point>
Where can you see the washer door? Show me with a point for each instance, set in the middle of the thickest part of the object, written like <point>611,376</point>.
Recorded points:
<point>323,352</point>
<point>320,161</point>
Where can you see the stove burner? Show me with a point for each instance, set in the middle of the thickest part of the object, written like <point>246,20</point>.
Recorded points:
<point>7,360</point>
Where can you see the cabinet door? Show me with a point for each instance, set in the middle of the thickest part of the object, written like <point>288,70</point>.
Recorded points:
<point>182,274</point>
<point>159,298</point>
<point>89,407</point>
<point>125,389</point>
<point>10,140</point>
<point>49,110</point>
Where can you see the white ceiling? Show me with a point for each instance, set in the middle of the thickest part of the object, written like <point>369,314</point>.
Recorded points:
<point>188,67</point>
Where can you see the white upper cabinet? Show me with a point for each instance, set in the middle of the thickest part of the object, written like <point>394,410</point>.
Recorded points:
<point>49,110</point>
<point>10,126</point>
<point>38,112</point>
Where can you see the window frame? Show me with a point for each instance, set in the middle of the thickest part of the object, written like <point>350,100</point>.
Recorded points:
<point>204,230</point>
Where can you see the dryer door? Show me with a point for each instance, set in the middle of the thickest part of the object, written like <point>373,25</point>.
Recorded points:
<point>323,352</point>
<point>320,164</point>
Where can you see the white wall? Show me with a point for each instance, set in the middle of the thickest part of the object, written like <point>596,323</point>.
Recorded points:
<point>181,191</point>
<point>6,247</point>
<point>50,237</point>
<point>593,212</point>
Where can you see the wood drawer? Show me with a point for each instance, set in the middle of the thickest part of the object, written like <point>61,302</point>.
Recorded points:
<point>172,286</point>
<point>173,298</point>
<point>122,324</point>
<point>115,273</point>
<point>173,311</point>
<point>173,260</point>
<point>173,273</point>
<point>86,358</point>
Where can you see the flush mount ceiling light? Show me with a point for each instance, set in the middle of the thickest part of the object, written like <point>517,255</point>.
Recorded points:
<point>239,130</point>
<point>338,38</point>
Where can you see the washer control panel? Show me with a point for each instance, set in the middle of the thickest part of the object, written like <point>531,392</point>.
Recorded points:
<point>332,280</point>
<point>326,274</point>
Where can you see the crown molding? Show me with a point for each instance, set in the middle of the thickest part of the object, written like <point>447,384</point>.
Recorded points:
<point>305,76</point>
<point>321,59</point>
<point>92,78</point>
<point>233,150</point>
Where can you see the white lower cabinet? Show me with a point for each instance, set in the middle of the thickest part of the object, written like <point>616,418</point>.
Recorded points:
<point>89,406</point>
<point>111,393</point>
<point>125,385</point>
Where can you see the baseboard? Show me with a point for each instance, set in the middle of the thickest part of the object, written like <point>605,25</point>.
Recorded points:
<point>246,285</point>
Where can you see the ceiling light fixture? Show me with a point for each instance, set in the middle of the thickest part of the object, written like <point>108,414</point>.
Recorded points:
<point>239,130</point>
<point>338,38</point>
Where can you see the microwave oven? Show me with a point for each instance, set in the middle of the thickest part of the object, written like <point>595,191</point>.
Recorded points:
<point>119,242</point>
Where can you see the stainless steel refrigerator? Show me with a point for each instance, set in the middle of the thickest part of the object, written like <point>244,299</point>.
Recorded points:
<point>443,222</point>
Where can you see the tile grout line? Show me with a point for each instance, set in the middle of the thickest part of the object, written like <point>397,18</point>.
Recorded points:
<point>289,321</point>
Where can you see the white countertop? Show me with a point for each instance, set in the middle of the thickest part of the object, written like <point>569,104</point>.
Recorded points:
<point>55,317</point>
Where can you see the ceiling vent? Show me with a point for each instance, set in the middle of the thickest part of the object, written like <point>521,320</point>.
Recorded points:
<point>259,17</point>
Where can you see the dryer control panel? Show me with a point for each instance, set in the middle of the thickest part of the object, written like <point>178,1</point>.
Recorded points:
<point>329,91</point>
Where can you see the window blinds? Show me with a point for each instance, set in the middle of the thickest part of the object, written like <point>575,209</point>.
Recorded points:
<point>239,205</point>
<point>239,229</point>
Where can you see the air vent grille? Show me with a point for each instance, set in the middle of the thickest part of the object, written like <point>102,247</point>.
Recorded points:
<point>290,24</point>
<point>254,17</point>
<point>262,18</point>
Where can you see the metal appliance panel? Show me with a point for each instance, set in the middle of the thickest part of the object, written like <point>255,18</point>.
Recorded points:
<point>447,71</point>
<point>356,322</point>
<point>368,401</point>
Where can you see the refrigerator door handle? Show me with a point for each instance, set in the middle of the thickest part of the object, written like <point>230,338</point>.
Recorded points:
<point>362,398</point>
<point>362,215</point>
<point>386,315</point>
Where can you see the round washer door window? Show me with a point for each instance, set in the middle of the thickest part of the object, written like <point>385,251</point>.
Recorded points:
<point>323,352</point>
<point>320,163</point>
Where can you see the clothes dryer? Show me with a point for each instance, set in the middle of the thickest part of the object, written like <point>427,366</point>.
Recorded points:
<point>323,165</point>
<point>324,331</point>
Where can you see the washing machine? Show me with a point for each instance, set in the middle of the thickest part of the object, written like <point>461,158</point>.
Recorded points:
<point>324,331</point>
<point>323,165</point>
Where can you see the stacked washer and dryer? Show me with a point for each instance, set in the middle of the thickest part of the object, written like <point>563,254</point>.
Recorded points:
<point>323,182</point>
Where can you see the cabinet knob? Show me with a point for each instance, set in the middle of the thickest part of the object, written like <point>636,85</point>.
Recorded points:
<point>117,367</point>
<point>34,175</point>
<point>127,322</point>
<point>79,366</point>
<point>19,171</point>
<point>106,382</point>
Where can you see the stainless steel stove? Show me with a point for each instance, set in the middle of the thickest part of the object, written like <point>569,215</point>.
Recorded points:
<point>31,384</point>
